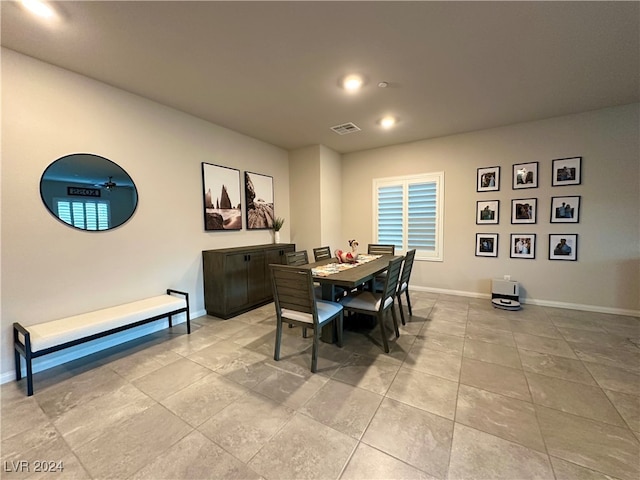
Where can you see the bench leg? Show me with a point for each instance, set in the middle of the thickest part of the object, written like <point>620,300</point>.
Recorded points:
<point>29,376</point>
<point>170,321</point>
<point>18,366</point>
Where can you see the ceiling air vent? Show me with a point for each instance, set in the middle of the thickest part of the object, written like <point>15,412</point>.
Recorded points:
<point>345,128</point>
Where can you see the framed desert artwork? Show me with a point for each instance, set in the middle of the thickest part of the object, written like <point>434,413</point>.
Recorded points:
<point>221,197</point>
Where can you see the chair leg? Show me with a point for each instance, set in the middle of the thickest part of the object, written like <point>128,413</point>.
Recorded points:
<point>304,332</point>
<point>314,350</point>
<point>383,331</point>
<point>395,320</point>
<point>399,297</point>
<point>276,353</point>
<point>340,326</point>
<point>408,302</point>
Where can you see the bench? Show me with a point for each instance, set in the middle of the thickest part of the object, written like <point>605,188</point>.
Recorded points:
<point>37,340</point>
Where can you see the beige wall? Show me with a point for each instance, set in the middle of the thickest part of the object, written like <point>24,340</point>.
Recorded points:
<point>50,270</point>
<point>331,199</point>
<point>606,275</point>
<point>304,174</point>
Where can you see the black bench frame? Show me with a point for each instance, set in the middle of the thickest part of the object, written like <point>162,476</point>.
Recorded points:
<point>24,349</point>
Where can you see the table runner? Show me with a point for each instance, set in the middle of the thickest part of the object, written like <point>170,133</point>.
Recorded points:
<point>331,268</point>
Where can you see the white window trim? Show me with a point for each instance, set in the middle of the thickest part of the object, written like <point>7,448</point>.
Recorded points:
<point>438,178</point>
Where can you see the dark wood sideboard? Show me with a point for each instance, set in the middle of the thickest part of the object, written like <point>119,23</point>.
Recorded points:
<point>237,279</point>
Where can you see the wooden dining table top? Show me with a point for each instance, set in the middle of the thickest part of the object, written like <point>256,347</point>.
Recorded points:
<point>352,277</point>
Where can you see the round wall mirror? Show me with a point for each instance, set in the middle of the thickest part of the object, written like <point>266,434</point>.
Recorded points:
<point>88,192</point>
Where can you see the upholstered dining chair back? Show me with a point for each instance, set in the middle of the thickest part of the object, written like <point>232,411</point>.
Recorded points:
<point>321,253</point>
<point>297,258</point>
<point>296,304</point>
<point>378,304</point>
<point>403,282</point>
<point>381,249</point>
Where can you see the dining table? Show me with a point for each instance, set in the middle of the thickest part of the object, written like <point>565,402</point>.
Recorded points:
<point>329,273</point>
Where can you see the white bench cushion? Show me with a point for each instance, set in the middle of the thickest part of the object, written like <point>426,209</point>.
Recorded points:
<point>57,332</point>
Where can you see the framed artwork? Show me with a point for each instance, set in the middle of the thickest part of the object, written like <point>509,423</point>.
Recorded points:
<point>565,209</point>
<point>563,246</point>
<point>487,212</point>
<point>486,244</point>
<point>566,171</point>
<point>258,191</point>
<point>523,245</point>
<point>523,210</point>
<point>221,195</point>
<point>525,175</point>
<point>488,179</point>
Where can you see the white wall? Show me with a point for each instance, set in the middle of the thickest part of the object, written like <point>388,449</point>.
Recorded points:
<point>50,270</point>
<point>606,276</point>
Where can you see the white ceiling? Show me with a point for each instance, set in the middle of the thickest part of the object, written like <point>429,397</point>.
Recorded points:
<point>271,70</point>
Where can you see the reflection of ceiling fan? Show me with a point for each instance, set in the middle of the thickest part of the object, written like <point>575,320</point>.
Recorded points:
<point>109,185</point>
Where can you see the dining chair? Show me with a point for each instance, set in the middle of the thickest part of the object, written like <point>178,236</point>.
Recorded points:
<point>322,253</point>
<point>403,283</point>
<point>297,258</point>
<point>381,249</point>
<point>378,304</point>
<point>296,304</point>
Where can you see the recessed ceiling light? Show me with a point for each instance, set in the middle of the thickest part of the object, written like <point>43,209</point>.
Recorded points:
<point>352,83</point>
<point>39,8</point>
<point>383,84</point>
<point>388,122</point>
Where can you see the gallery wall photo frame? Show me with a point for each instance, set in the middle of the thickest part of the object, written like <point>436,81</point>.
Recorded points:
<point>486,244</point>
<point>563,246</point>
<point>525,175</point>
<point>221,197</point>
<point>523,245</point>
<point>566,171</point>
<point>487,212</point>
<point>524,210</point>
<point>488,179</point>
<point>565,209</point>
<point>259,204</point>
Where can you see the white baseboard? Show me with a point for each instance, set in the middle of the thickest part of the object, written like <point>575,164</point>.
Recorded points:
<point>84,349</point>
<point>533,301</point>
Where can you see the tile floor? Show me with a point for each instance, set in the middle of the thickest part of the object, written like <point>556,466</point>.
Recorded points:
<point>466,392</point>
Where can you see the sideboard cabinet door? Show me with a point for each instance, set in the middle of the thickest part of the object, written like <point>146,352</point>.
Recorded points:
<point>238,279</point>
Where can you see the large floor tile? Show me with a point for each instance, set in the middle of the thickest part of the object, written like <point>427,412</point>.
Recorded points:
<point>614,378</point>
<point>419,438</point>
<point>439,341</point>
<point>488,321</point>
<point>576,335</point>
<point>171,378</point>
<point>492,353</point>
<point>195,457</point>
<point>373,374</point>
<point>571,397</point>
<point>481,456</point>
<point>554,366</point>
<point>624,358</point>
<point>343,407</point>
<point>248,369</point>
<point>444,324</point>
<point>482,333</point>
<point>368,463</point>
<point>304,448</point>
<point>290,388</point>
<point>495,378</point>
<point>204,398</point>
<point>424,391</point>
<point>628,406</point>
<point>243,427</point>
<point>505,417</point>
<point>122,450</point>
<point>434,362</point>
<point>570,471</point>
<point>540,328</point>
<point>19,414</point>
<point>604,448</point>
<point>144,362</point>
<point>552,346</point>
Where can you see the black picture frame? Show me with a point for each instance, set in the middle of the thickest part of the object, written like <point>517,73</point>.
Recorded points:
<point>524,210</point>
<point>488,179</point>
<point>487,212</point>
<point>221,197</point>
<point>563,246</point>
<point>259,202</point>
<point>525,175</point>
<point>565,209</point>
<point>487,245</point>
<point>523,245</point>
<point>566,171</point>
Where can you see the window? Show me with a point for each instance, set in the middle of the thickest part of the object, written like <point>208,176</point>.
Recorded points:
<point>87,215</point>
<point>408,213</point>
